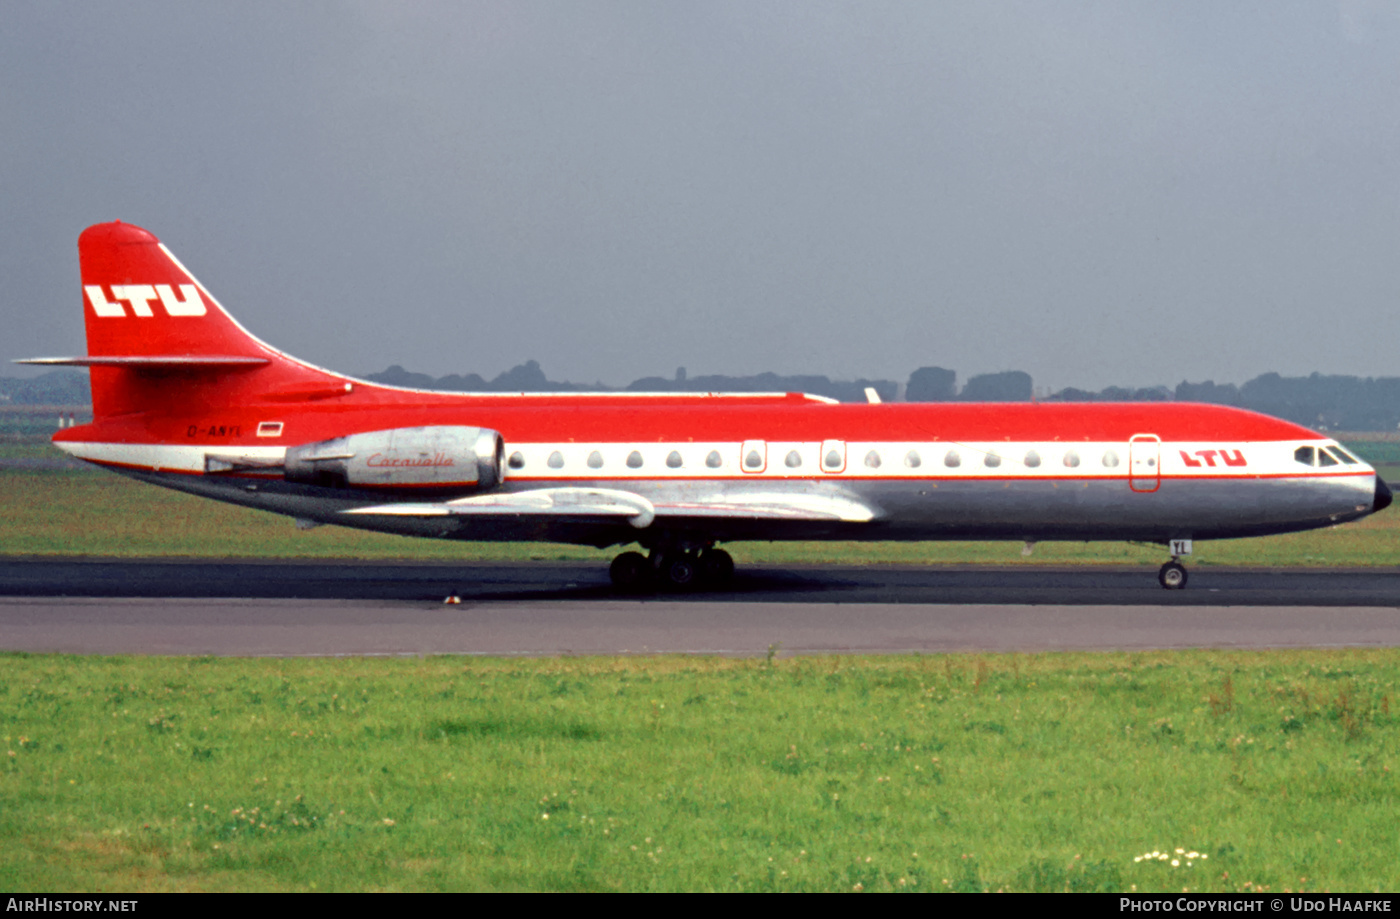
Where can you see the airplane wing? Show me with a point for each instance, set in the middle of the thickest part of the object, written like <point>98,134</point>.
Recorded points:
<point>637,510</point>
<point>776,506</point>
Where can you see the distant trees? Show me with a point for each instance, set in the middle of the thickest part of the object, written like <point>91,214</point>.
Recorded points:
<point>1335,402</point>
<point>842,391</point>
<point>1226,394</point>
<point>1009,386</point>
<point>1318,401</point>
<point>526,377</point>
<point>57,387</point>
<point>1113,394</point>
<point>932,384</point>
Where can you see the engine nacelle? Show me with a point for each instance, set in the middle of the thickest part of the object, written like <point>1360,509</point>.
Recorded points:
<point>444,457</point>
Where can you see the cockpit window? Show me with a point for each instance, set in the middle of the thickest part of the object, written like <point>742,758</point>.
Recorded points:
<point>1306,456</point>
<point>1344,456</point>
<point>1325,458</point>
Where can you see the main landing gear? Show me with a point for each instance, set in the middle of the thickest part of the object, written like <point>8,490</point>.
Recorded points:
<point>1172,575</point>
<point>672,569</point>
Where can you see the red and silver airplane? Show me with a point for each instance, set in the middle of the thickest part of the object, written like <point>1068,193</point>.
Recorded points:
<point>184,397</point>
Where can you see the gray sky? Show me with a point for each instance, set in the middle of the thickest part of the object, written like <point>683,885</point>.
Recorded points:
<point>1096,193</point>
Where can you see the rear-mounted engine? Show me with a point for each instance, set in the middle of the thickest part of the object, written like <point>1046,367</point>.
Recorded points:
<point>443,457</point>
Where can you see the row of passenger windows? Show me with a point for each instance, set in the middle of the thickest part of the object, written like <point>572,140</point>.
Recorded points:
<point>595,460</point>
<point>833,460</point>
<point>1324,456</point>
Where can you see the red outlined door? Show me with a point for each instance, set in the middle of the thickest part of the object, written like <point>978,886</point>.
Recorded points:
<point>753,456</point>
<point>1145,462</point>
<point>833,456</point>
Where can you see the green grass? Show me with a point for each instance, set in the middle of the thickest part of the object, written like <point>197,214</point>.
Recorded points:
<point>1021,772</point>
<point>90,512</point>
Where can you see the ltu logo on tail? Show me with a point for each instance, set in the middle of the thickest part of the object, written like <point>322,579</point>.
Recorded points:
<point>188,303</point>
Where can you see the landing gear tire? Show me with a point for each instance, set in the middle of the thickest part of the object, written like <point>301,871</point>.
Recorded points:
<point>680,572</point>
<point>1172,576</point>
<point>716,567</point>
<point>631,573</point>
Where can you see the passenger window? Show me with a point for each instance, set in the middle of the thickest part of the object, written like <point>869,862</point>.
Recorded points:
<point>556,460</point>
<point>872,459</point>
<point>595,460</point>
<point>952,459</point>
<point>754,460</point>
<point>634,460</point>
<point>1071,458</point>
<point>833,459</point>
<point>911,459</point>
<point>517,460</point>
<point>1305,455</point>
<point>1110,459</point>
<point>793,460</point>
<point>714,461</point>
<point>1032,459</point>
<point>992,461</point>
<point>674,459</point>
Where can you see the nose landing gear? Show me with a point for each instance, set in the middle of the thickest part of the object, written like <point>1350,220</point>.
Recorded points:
<point>1172,575</point>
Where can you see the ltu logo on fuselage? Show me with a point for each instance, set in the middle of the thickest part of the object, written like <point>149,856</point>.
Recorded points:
<point>188,303</point>
<point>1237,459</point>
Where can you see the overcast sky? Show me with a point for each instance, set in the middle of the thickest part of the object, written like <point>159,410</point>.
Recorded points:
<point>1096,193</point>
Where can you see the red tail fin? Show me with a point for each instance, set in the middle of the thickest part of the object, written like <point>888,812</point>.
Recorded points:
<point>158,341</point>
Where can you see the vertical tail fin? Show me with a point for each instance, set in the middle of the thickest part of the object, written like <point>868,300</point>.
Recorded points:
<point>141,302</point>
<point>158,340</point>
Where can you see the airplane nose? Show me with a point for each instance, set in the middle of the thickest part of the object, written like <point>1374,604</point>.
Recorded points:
<point>1383,495</point>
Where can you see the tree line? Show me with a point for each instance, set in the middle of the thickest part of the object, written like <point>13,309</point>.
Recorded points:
<point>1326,402</point>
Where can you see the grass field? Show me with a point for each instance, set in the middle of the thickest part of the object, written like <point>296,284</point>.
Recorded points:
<point>958,772</point>
<point>940,772</point>
<point>91,512</point>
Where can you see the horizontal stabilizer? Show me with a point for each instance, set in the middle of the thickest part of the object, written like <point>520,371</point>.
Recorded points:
<point>154,362</point>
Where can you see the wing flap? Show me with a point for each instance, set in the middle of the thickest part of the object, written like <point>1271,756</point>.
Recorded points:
<point>546,502</point>
<point>772,507</point>
<point>637,510</point>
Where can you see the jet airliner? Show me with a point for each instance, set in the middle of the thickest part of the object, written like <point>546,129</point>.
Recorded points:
<point>184,397</point>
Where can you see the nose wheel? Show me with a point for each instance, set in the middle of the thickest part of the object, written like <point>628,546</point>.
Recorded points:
<point>1172,575</point>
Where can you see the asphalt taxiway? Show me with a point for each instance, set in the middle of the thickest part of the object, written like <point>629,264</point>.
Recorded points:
<point>197,607</point>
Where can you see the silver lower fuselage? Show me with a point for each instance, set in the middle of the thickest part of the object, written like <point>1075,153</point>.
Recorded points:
<point>905,509</point>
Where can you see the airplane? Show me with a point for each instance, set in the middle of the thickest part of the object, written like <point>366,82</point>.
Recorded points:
<point>184,397</point>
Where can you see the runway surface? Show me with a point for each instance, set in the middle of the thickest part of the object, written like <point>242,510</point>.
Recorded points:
<point>347,608</point>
